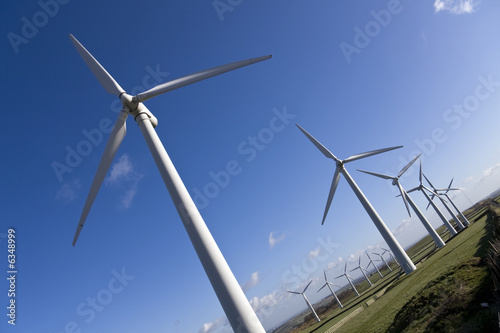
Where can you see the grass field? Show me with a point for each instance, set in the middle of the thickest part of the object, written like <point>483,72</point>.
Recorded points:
<point>444,294</point>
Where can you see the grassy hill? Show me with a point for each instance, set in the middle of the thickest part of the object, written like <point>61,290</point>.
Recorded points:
<point>453,289</point>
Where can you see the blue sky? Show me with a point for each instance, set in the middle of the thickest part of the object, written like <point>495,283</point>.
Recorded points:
<point>357,76</point>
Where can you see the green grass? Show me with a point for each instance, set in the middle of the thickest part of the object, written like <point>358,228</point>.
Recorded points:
<point>443,294</point>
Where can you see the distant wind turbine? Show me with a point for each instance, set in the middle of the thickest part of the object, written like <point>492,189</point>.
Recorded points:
<point>383,259</point>
<point>374,265</point>
<point>389,238</point>
<point>329,284</point>
<point>457,221</point>
<point>390,253</point>
<point>406,198</point>
<point>234,302</point>
<point>362,269</point>
<point>303,293</point>
<point>348,277</point>
<point>446,190</point>
<point>423,189</point>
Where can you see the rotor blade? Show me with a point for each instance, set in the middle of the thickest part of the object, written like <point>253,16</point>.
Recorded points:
<point>324,272</point>
<point>100,73</point>
<point>307,286</point>
<point>345,268</point>
<point>114,141</point>
<point>195,77</point>
<point>408,165</point>
<point>335,183</point>
<point>359,261</point>
<point>429,182</point>
<point>294,292</point>
<point>318,145</point>
<point>430,191</point>
<point>404,197</point>
<point>322,287</point>
<point>420,173</point>
<point>377,174</point>
<point>369,153</point>
<point>449,186</point>
<point>413,189</point>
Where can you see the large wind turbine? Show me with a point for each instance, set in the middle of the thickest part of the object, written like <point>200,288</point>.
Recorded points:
<point>236,306</point>
<point>348,277</point>
<point>362,269</point>
<point>389,238</point>
<point>457,220</point>
<point>303,293</point>
<point>423,189</point>
<point>328,284</point>
<point>445,190</point>
<point>406,198</point>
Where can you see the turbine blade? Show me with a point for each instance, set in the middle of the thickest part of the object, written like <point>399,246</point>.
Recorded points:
<point>359,261</point>
<point>449,186</point>
<point>307,286</point>
<point>318,145</point>
<point>408,165</point>
<point>195,77</point>
<point>114,141</point>
<point>404,197</point>
<point>294,292</point>
<point>100,73</point>
<point>369,153</point>
<point>413,190</point>
<point>420,173</point>
<point>321,287</point>
<point>335,183</point>
<point>324,272</point>
<point>429,182</point>
<point>377,174</point>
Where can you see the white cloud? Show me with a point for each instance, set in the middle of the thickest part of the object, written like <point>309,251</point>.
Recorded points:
<point>123,174</point>
<point>402,226</point>
<point>67,192</point>
<point>213,325</point>
<point>254,280</point>
<point>264,306</point>
<point>273,241</point>
<point>456,6</point>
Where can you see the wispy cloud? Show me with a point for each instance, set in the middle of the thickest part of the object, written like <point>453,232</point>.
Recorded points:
<point>213,325</point>
<point>457,7</point>
<point>489,172</point>
<point>123,174</point>
<point>405,224</point>
<point>67,192</point>
<point>252,282</point>
<point>273,240</point>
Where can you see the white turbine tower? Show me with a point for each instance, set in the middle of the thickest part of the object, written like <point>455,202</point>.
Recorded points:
<point>457,221</point>
<point>383,259</point>
<point>446,190</point>
<point>406,198</point>
<point>234,302</point>
<point>329,284</point>
<point>389,238</point>
<point>303,293</point>
<point>348,277</point>
<point>390,253</point>
<point>373,263</point>
<point>362,269</point>
<point>423,189</point>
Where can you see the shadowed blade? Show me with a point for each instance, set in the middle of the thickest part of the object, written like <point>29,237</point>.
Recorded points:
<point>412,190</point>
<point>377,174</point>
<point>369,153</point>
<point>322,287</point>
<point>192,78</point>
<point>114,141</point>
<point>404,197</point>
<point>428,181</point>
<point>100,73</point>
<point>294,292</point>
<point>307,286</point>
<point>324,272</point>
<point>420,173</point>
<point>449,186</point>
<point>335,183</point>
<point>408,165</point>
<point>318,145</point>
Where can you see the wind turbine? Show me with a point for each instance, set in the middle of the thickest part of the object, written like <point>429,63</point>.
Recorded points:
<point>389,238</point>
<point>362,271</point>
<point>303,293</point>
<point>445,190</point>
<point>457,221</point>
<point>328,284</point>
<point>234,302</point>
<point>372,263</point>
<point>406,198</point>
<point>390,253</point>
<point>423,189</point>
<point>383,259</point>
<point>348,277</point>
